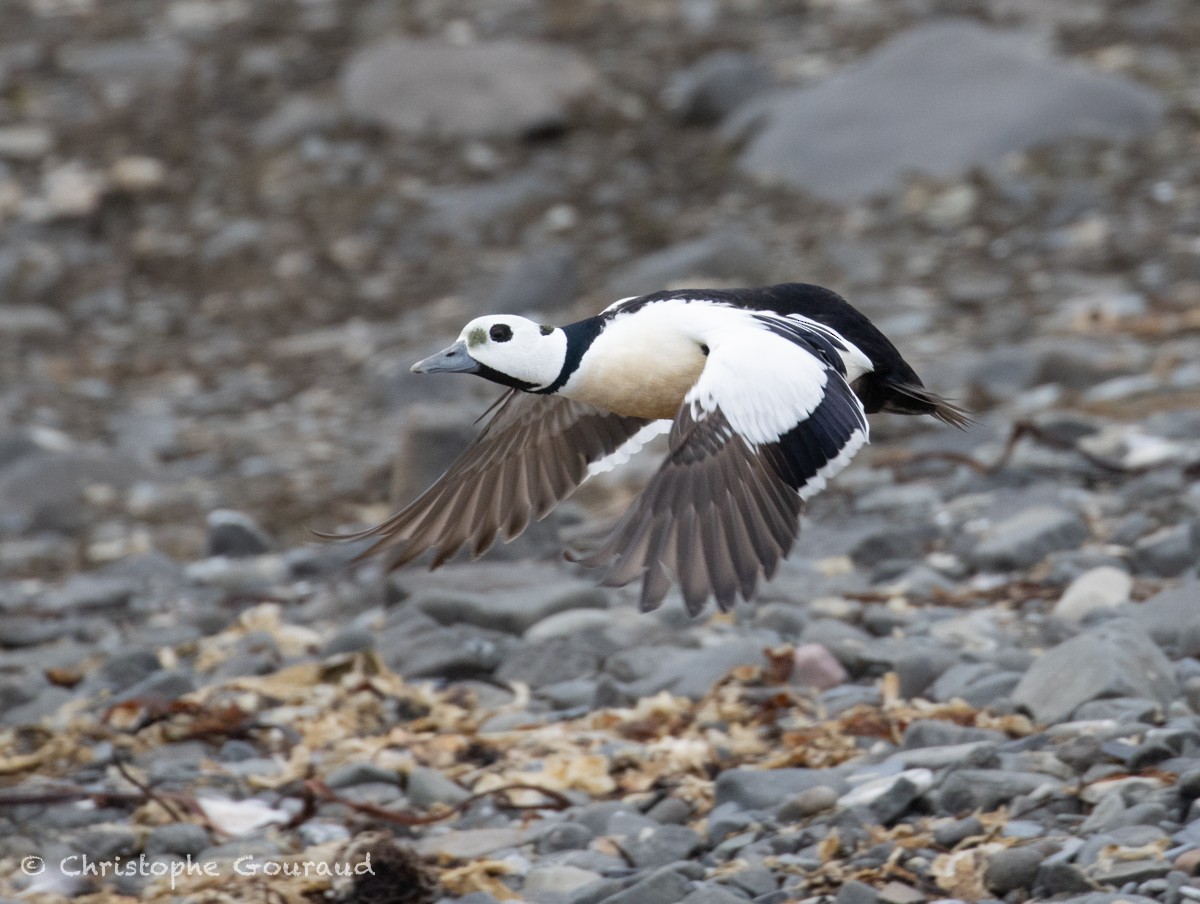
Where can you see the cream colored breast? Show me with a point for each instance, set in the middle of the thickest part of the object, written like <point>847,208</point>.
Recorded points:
<point>638,378</point>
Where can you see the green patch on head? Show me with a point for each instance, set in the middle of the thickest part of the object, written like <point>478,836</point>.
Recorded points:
<point>477,336</point>
<point>545,330</point>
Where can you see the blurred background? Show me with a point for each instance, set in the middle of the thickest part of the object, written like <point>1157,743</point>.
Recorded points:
<point>227,227</point>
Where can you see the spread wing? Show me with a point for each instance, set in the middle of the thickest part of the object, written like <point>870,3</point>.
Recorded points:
<point>531,455</point>
<point>769,421</point>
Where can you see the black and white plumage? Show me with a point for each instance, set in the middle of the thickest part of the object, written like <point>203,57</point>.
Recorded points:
<point>764,392</point>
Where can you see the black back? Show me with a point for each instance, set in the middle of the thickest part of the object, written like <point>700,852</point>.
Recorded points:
<point>879,390</point>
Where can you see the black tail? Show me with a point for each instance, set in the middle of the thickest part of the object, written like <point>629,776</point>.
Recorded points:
<point>905,398</point>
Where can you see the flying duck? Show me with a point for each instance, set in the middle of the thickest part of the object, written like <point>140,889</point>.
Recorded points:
<point>764,392</point>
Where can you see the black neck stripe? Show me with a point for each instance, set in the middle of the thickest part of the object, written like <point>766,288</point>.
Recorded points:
<point>580,336</point>
<point>490,373</point>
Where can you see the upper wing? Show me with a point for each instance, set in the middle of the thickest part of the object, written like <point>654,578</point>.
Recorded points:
<point>529,457</point>
<point>770,420</point>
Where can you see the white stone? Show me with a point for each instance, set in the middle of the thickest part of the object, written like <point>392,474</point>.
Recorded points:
<point>1101,588</point>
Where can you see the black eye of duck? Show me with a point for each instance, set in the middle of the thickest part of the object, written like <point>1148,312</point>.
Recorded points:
<point>501,332</point>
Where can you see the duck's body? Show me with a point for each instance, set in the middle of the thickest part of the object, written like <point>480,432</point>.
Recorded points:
<point>764,392</point>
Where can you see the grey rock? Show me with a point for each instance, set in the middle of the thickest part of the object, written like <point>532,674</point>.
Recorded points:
<point>949,832</point>
<point>1117,658</point>
<point>31,323</point>
<point>352,774</point>
<point>855,892</point>
<point>1028,537</point>
<point>713,894</point>
<point>1097,590</point>
<point>1172,618</point>
<point>939,98</point>
<point>168,684</point>
<point>937,733</point>
<point>127,669</point>
<point>498,87</point>
<point>752,789</point>
<point>659,845</point>
<point>468,844</point>
<point>426,787</point>
<point>565,836</point>
<point>550,882</point>
<point>27,631</point>
<point>552,661</point>
<point>710,89</point>
<point>985,789</point>
<point>511,611</point>
<point>350,640</point>
<point>722,255</point>
<point>236,534</point>
<point>182,838</point>
<point>92,592</point>
<point>463,211</point>
<point>1167,552</point>
<point>546,279</point>
<point>808,802</point>
<point>155,62</point>
<point>1013,868</point>
<point>45,491</point>
<point>666,885</point>
<point>692,673</point>
<point>1122,872</point>
<point>25,141</point>
<point>458,652</point>
<point>1121,709</point>
<point>670,811</point>
<point>1062,879</point>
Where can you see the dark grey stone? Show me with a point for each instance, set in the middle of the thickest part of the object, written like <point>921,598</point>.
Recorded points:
<point>937,733</point>
<point>549,662</point>
<point>726,255</point>
<point>565,836</point>
<point>1028,537</point>
<point>426,787</point>
<point>544,280</point>
<point>1117,658</point>
<point>664,886</point>
<point>754,789</point>
<point>1123,871</point>
<point>1172,618</point>
<point>949,832</point>
<point>127,669</point>
<point>713,894</point>
<point>855,892</point>
<point>670,811</point>
<point>939,98</point>
<point>713,87</point>
<point>985,789</point>
<point>512,611</point>
<point>350,640</point>
<point>1167,552</point>
<point>1013,868</point>
<point>360,774</point>
<point>92,592</point>
<point>660,845</point>
<point>503,87</point>
<point>236,534</point>
<point>169,684</point>
<point>182,838</point>
<point>1062,879</point>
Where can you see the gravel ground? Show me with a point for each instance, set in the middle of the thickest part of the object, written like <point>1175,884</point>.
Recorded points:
<point>228,227</point>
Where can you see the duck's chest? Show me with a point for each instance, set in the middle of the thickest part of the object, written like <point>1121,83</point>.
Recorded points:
<point>637,375</point>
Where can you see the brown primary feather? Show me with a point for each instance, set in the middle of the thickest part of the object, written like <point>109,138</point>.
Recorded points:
<point>532,453</point>
<point>717,514</point>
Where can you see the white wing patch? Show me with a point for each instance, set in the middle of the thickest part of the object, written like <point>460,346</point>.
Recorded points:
<point>631,447</point>
<point>764,384</point>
